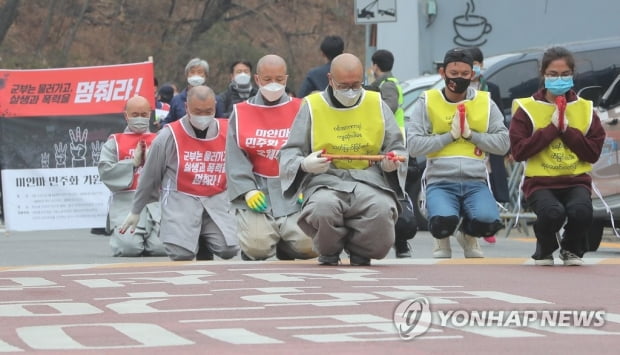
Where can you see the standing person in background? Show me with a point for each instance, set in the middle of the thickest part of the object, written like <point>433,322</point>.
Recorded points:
<point>559,136</point>
<point>266,220</point>
<point>186,166</point>
<point>349,205</point>
<point>392,95</point>
<point>239,89</point>
<point>316,79</point>
<point>196,73</point>
<point>162,103</point>
<point>120,164</point>
<point>497,169</point>
<point>455,144</point>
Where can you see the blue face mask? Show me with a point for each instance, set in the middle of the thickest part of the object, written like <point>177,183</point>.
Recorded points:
<point>476,71</point>
<point>559,85</point>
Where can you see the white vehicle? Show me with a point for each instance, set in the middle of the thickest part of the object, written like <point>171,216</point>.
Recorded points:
<point>412,88</point>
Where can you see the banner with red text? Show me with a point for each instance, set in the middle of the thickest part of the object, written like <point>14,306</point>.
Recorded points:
<point>53,124</point>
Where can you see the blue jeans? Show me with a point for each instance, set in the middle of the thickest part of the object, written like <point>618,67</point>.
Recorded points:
<point>473,201</point>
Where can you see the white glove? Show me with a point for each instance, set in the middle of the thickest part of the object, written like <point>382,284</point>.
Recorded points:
<point>455,129</point>
<point>466,131</point>
<point>130,222</point>
<point>555,118</point>
<point>137,155</point>
<point>315,164</point>
<point>390,162</point>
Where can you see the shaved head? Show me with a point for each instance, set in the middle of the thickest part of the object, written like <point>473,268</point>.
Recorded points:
<point>346,69</point>
<point>346,62</point>
<point>271,62</point>
<point>200,92</point>
<point>200,100</point>
<point>137,103</point>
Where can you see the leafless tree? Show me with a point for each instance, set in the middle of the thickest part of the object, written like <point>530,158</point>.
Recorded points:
<point>8,13</point>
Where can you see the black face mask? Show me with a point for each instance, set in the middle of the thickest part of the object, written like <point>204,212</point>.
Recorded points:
<point>457,85</point>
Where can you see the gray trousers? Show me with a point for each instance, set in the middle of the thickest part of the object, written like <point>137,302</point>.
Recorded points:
<point>213,238</point>
<point>145,240</point>
<point>361,222</point>
<point>260,233</point>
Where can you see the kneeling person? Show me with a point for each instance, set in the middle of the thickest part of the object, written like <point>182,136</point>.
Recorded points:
<point>120,164</point>
<point>266,220</point>
<point>186,163</point>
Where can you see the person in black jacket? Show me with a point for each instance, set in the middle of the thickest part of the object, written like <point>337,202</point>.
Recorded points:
<point>239,89</point>
<point>316,79</point>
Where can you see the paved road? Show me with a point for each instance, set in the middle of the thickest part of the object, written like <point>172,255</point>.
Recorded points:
<point>78,246</point>
<point>61,291</point>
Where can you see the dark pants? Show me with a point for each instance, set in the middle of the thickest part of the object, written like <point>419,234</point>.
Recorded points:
<point>553,208</point>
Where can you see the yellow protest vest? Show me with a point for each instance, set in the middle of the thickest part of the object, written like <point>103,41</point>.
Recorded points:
<point>556,159</point>
<point>358,130</point>
<point>441,112</point>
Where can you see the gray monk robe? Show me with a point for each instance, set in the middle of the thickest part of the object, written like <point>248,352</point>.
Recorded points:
<point>185,217</point>
<point>345,208</point>
<point>118,175</point>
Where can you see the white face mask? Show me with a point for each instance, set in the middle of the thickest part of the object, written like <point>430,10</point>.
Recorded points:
<point>272,91</point>
<point>138,124</point>
<point>195,80</point>
<point>348,97</point>
<point>242,79</point>
<point>201,122</point>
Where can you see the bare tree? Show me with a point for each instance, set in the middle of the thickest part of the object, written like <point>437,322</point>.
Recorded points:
<point>71,36</point>
<point>212,11</point>
<point>8,13</point>
<point>45,30</point>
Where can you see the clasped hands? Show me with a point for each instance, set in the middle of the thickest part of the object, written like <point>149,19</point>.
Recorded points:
<point>555,120</point>
<point>456,131</point>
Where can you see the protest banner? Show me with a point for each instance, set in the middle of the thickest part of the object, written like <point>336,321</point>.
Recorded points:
<point>53,123</point>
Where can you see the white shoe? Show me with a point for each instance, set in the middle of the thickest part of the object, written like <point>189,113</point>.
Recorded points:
<point>570,258</point>
<point>546,261</point>
<point>471,248</point>
<point>442,248</point>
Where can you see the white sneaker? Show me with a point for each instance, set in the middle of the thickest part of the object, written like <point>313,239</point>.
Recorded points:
<point>442,248</point>
<point>546,261</point>
<point>471,248</point>
<point>570,259</point>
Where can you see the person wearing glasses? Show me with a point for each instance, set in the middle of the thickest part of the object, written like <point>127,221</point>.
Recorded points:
<point>266,221</point>
<point>455,143</point>
<point>349,204</point>
<point>559,136</point>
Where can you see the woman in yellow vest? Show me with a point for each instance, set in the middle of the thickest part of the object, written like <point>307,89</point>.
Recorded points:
<point>558,145</point>
<point>457,192</point>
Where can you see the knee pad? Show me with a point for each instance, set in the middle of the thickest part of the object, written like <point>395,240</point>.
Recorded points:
<point>443,226</point>
<point>476,228</point>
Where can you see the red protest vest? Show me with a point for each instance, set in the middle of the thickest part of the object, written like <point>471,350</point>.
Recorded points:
<point>126,143</point>
<point>200,170</point>
<point>262,131</point>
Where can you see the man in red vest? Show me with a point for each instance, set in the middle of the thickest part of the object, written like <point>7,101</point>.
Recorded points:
<point>266,221</point>
<point>186,166</point>
<point>120,165</point>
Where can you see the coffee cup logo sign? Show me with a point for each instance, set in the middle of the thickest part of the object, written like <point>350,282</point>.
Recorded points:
<point>471,29</point>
